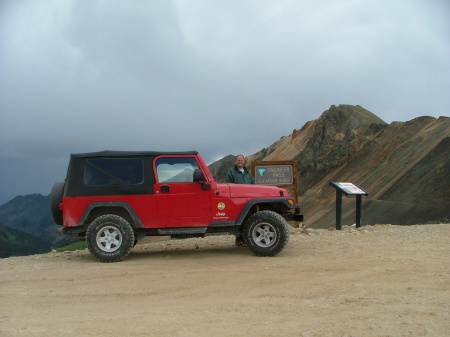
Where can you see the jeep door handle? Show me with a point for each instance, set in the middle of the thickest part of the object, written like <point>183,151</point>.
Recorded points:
<point>165,189</point>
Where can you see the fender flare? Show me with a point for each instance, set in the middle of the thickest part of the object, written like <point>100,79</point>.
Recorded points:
<point>240,219</point>
<point>112,204</point>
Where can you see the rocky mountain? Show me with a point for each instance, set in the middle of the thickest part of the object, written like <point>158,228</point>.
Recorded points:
<point>405,166</point>
<point>219,168</point>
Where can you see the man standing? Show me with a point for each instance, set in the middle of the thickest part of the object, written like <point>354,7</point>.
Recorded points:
<point>239,174</point>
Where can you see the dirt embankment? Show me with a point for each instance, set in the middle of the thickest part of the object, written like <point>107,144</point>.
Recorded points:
<point>376,281</point>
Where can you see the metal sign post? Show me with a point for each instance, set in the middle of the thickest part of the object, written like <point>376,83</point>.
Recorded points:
<point>348,189</point>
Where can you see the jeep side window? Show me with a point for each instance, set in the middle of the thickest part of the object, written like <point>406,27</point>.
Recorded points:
<point>112,171</point>
<point>176,169</point>
<point>95,178</point>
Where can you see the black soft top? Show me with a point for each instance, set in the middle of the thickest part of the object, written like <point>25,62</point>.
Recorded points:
<point>75,186</point>
<point>109,153</point>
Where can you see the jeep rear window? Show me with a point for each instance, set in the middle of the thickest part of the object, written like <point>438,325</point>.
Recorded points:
<point>176,169</point>
<point>112,171</point>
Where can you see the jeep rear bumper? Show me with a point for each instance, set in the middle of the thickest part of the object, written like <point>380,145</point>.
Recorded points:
<point>71,230</point>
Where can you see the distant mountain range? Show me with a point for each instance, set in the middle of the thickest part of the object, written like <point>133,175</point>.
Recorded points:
<point>405,167</point>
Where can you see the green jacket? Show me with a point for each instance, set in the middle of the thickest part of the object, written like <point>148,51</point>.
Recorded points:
<point>237,177</point>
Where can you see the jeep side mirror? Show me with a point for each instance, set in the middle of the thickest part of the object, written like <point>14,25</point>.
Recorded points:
<point>198,176</point>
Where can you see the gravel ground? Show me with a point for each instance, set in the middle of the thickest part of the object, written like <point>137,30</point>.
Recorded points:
<point>378,280</point>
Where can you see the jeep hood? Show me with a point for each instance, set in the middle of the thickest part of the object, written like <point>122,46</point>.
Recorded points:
<point>253,191</point>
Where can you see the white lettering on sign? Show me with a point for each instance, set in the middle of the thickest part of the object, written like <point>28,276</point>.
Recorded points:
<point>274,175</point>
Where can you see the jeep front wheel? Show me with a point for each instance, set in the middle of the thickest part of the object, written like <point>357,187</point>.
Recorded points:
<point>266,233</point>
<point>109,238</point>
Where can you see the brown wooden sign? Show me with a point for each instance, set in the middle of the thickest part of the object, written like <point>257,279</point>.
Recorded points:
<point>276,173</point>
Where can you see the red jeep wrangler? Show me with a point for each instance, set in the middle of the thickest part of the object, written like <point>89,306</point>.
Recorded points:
<point>114,198</point>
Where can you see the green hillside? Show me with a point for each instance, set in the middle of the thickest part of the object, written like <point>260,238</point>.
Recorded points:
<point>14,242</point>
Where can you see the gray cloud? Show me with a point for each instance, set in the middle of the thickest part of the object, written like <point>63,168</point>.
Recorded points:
<point>218,77</point>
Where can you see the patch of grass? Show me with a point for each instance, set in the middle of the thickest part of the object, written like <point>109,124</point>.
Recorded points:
<point>80,245</point>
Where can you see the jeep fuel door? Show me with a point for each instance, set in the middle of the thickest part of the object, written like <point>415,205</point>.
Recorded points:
<point>178,197</point>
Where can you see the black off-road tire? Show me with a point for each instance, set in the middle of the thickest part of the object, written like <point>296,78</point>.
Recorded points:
<point>110,238</point>
<point>55,200</point>
<point>266,233</point>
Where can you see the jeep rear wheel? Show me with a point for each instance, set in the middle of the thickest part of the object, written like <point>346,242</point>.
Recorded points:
<point>266,233</point>
<point>110,238</point>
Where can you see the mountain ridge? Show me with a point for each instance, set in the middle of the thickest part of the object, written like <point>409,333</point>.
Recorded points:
<point>403,165</point>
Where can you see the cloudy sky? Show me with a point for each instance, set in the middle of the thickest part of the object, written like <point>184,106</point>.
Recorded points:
<point>220,77</point>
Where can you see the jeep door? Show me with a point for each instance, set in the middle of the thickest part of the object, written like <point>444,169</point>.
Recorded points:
<point>179,199</point>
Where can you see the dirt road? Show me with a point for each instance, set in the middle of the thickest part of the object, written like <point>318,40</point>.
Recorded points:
<point>376,281</point>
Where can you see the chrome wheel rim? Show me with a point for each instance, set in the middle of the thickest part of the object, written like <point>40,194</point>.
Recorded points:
<point>109,239</point>
<point>264,234</point>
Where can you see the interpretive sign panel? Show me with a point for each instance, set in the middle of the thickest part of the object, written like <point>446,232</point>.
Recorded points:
<point>348,188</point>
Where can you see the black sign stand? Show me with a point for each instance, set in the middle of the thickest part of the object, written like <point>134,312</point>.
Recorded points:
<point>347,189</point>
